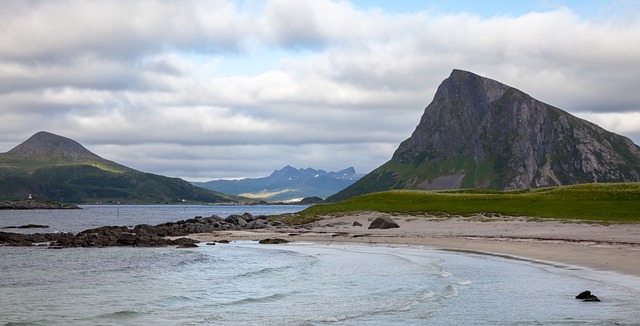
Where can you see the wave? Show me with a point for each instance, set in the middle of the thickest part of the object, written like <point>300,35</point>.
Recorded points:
<point>264,271</point>
<point>275,296</point>
<point>465,282</point>
<point>123,314</point>
<point>193,258</point>
<point>267,271</point>
<point>419,298</point>
<point>175,300</point>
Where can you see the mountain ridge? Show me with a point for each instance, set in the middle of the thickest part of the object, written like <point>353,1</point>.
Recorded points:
<point>287,183</point>
<point>480,133</point>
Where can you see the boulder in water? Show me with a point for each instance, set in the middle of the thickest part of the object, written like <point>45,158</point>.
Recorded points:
<point>587,296</point>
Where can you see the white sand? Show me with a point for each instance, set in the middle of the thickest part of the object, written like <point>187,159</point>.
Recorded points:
<point>613,247</point>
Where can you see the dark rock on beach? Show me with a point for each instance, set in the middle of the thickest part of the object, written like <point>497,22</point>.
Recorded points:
<point>587,296</point>
<point>273,241</point>
<point>383,223</point>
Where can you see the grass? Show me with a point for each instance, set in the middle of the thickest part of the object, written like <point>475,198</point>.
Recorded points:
<point>616,202</point>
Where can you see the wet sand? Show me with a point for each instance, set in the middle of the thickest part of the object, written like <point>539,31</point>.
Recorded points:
<point>614,247</point>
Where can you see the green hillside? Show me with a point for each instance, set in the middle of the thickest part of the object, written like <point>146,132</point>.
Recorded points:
<point>52,167</point>
<point>605,202</point>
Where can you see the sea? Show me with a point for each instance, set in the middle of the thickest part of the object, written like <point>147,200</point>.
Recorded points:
<point>300,283</point>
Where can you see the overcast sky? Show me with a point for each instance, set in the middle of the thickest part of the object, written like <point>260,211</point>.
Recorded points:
<point>229,89</point>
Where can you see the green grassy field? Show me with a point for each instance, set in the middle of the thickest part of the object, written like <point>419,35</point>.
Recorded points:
<point>619,202</point>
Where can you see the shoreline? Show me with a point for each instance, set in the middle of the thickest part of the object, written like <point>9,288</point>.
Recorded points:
<point>609,248</point>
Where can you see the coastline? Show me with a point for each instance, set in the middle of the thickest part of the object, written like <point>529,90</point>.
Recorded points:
<point>610,248</point>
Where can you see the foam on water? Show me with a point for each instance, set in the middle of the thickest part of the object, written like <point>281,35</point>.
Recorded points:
<point>244,283</point>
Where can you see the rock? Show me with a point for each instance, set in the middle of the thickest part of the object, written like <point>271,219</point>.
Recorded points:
<point>592,298</point>
<point>14,239</point>
<point>142,235</point>
<point>273,241</point>
<point>257,224</point>
<point>35,204</point>
<point>356,223</point>
<point>583,295</point>
<point>248,217</point>
<point>144,229</point>
<point>215,218</point>
<point>383,223</point>
<point>127,239</point>
<point>111,230</point>
<point>587,296</point>
<point>200,219</point>
<point>211,243</point>
<point>223,241</point>
<point>187,245</point>
<point>27,226</point>
<point>276,223</point>
<point>236,220</point>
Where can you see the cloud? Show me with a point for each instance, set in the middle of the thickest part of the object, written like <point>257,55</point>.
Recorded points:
<point>141,82</point>
<point>201,162</point>
<point>56,31</point>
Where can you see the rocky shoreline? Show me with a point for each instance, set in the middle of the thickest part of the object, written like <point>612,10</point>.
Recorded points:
<point>161,235</point>
<point>142,235</point>
<point>35,204</point>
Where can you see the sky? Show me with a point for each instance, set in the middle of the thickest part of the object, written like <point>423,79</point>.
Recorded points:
<point>222,89</point>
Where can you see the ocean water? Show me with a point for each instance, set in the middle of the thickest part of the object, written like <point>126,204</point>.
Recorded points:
<point>245,283</point>
<point>92,216</point>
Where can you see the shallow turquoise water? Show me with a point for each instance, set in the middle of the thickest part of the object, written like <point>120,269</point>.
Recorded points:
<point>244,283</point>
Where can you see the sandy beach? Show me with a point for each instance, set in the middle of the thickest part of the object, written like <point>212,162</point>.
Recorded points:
<point>614,247</point>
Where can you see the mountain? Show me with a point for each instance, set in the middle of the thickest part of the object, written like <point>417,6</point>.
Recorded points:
<point>45,149</point>
<point>287,183</point>
<point>480,133</point>
<point>58,168</point>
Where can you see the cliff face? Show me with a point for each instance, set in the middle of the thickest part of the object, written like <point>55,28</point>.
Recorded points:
<point>479,133</point>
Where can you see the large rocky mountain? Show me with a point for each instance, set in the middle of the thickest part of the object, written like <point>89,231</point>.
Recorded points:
<point>479,133</point>
<point>58,168</point>
<point>287,183</point>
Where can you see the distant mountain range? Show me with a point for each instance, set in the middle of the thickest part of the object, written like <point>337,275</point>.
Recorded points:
<point>287,183</point>
<point>58,168</point>
<point>480,133</point>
